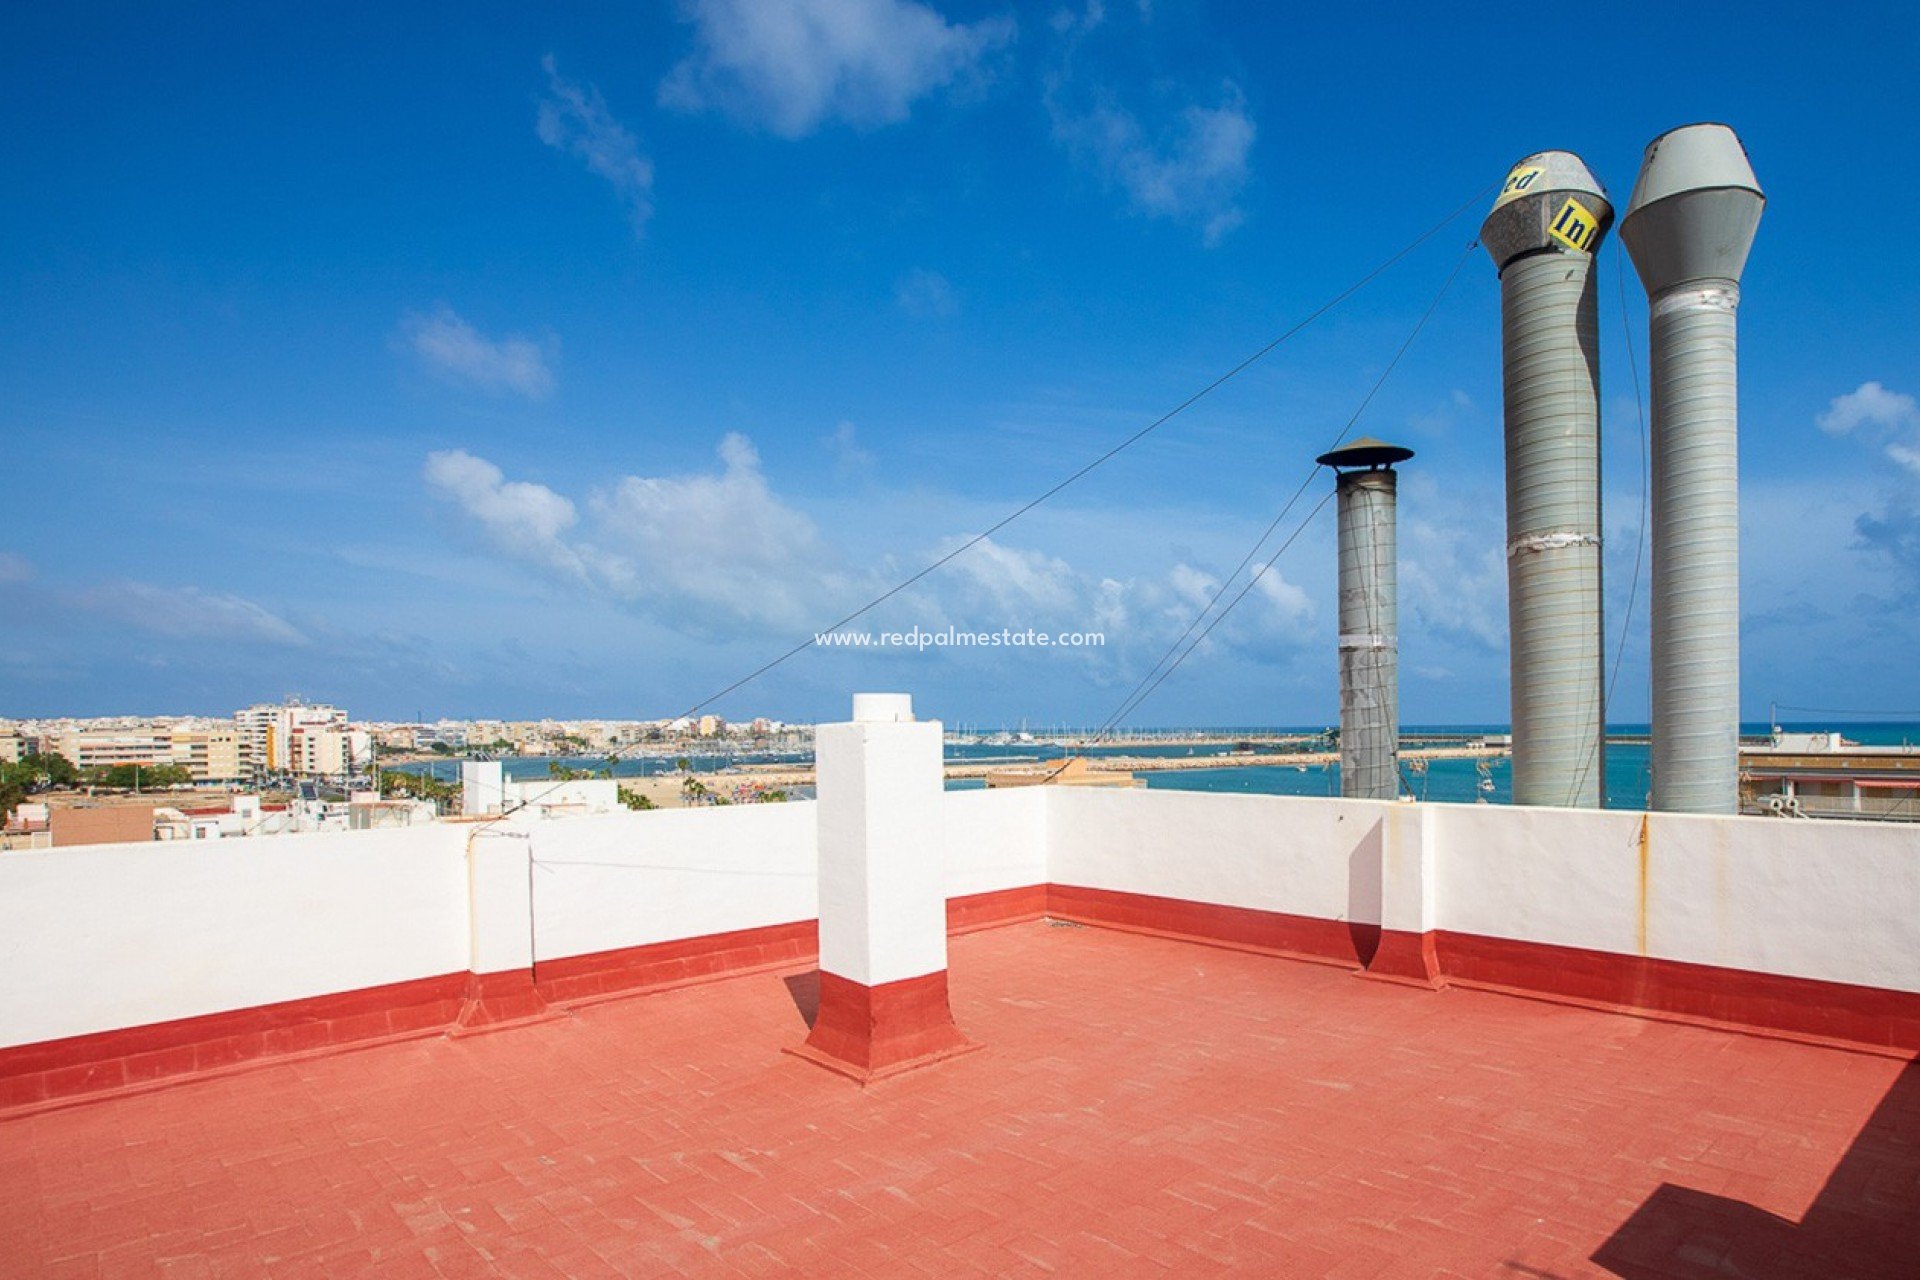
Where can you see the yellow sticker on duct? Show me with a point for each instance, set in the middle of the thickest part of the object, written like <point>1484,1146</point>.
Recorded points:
<point>1574,226</point>
<point>1518,183</point>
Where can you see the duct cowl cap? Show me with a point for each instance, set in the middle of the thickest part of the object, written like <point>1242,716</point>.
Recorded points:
<point>1694,209</point>
<point>1550,203</point>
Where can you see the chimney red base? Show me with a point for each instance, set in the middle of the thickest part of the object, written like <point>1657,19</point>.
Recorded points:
<point>1411,959</point>
<point>870,1033</point>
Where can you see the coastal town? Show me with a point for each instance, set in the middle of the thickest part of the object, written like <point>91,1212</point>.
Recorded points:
<point>293,766</point>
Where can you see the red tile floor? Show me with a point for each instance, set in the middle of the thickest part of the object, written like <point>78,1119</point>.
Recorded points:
<point>1143,1107</point>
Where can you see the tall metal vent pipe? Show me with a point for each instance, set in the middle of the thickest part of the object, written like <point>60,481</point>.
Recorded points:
<point>1688,227</point>
<point>1369,618</point>
<point>1545,227</point>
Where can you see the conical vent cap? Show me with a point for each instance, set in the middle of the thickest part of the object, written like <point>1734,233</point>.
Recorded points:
<point>1364,452</point>
<point>1694,209</point>
<point>1550,203</point>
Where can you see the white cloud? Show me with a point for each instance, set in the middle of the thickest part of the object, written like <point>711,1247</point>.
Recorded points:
<point>1067,21</point>
<point>1453,578</point>
<point>791,67</point>
<point>528,521</point>
<point>1019,585</point>
<point>848,453</point>
<point>1870,405</point>
<point>723,542</point>
<point>925,294</point>
<point>1192,587</point>
<point>190,613</point>
<point>1891,420</point>
<point>1286,600</point>
<point>707,547</point>
<point>573,118</point>
<point>1191,169</point>
<point>724,554</point>
<point>454,349</point>
<point>15,567</point>
<point>1289,612</point>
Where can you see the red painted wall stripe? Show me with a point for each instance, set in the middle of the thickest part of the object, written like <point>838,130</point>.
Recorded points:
<point>100,1060</point>
<point>1834,1013</point>
<point>991,910</point>
<point>1738,999</point>
<point>683,960</point>
<point>1242,928</point>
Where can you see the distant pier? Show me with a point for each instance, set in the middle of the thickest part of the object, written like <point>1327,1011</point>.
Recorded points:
<point>790,775</point>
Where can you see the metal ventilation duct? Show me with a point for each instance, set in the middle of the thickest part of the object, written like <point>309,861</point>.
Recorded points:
<point>1545,227</point>
<point>1369,618</point>
<point>1688,227</point>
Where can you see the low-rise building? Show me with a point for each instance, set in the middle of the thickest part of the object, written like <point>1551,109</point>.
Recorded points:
<point>209,754</point>
<point>70,825</point>
<point>27,828</point>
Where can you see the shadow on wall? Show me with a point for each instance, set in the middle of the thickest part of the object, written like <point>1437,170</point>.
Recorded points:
<point>1366,880</point>
<point>1864,1223</point>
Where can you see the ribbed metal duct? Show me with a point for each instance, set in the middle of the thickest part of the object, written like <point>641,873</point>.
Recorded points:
<point>1688,228</point>
<point>1369,618</point>
<point>1545,227</point>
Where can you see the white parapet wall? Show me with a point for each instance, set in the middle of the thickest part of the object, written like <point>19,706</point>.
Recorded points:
<point>995,840</point>
<point>632,880</point>
<point>103,937</point>
<point>1307,857</point>
<point>607,883</point>
<point>98,939</point>
<point>1836,901</point>
<point>1832,901</point>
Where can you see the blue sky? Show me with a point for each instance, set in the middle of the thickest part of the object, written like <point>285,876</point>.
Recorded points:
<point>479,360</point>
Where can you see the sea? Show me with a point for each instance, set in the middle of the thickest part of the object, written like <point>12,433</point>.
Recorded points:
<point>1450,781</point>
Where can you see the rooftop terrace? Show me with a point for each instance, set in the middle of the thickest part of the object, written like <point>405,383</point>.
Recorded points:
<point>1217,1034</point>
<point>1144,1106</point>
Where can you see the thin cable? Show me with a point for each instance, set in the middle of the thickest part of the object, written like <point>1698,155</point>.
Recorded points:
<point>1640,541</point>
<point>1220,617</point>
<point>1137,436</point>
<point>811,640</point>
<point>1315,470</point>
<point>1155,676</point>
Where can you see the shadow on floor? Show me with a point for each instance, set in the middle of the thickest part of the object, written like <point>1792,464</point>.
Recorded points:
<point>1864,1223</point>
<point>805,990</point>
<point>1366,887</point>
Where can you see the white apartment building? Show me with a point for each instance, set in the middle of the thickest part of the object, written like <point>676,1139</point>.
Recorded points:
<point>295,737</point>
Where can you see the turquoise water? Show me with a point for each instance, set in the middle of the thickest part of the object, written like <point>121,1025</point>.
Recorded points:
<point>533,768</point>
<point>1453,781</point>
<point>1459,781</point>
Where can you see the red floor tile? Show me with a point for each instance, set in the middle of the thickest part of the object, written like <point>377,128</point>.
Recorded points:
<point>1143,1107</point>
